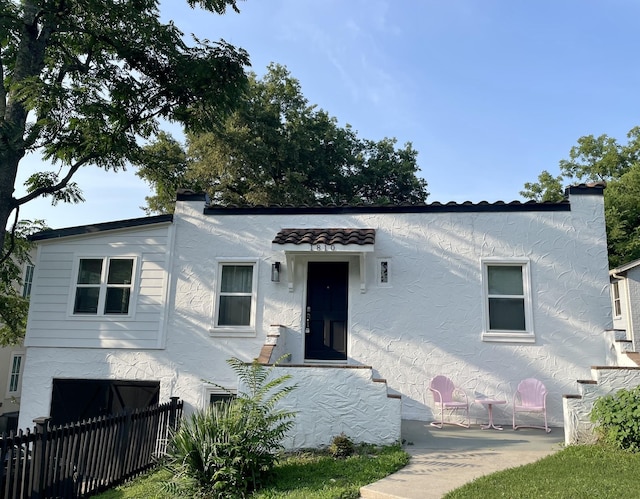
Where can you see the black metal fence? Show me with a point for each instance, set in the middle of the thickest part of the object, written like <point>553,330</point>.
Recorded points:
<point>81,459</point>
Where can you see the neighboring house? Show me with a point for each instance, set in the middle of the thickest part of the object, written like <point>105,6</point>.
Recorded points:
<point>625,300</point>
<point>11,368</point>
<point>369,303</point>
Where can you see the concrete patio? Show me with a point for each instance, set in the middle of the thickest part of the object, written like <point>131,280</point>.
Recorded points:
<point>444,459</point>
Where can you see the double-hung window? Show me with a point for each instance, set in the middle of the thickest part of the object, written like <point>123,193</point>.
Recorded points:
<point>104,286</point>
<point>235,297</point>
<point>13,387</point>
<point>507,297</point>
<point>615,295</point>
<point>27,281</point>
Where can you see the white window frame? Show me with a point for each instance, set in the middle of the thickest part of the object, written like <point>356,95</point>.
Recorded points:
<point>11,375</point>
<point>209,389</point>
<point>100,315</point>
<point>248,330</point>
<point>27,280</point>
<point>379,274</point>
<point>525,336</point>
<point>616,300</point>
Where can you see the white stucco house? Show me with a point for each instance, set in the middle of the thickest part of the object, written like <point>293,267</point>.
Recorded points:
<point>369,304</point>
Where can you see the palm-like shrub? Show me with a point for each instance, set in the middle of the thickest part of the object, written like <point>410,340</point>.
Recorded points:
<point>229,449</point>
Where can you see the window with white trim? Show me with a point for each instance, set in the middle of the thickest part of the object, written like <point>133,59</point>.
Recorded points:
<point>383,271</point>
<point>104,286</point>
<point>215,394</point>
<point>27,281</point>
<point>615,295</point>
<point>236,297</point>
<point>507,301</point>
<point>13,387</point>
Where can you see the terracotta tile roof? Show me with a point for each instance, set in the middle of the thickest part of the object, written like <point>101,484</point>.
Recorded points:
<point>326,236</point>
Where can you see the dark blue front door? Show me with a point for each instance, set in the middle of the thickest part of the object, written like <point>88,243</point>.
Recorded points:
<point>326,311</point>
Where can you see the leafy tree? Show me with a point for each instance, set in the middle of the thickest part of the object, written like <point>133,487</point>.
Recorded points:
<point>276,148</point>
<point>603,159</point>
<point>84,81</point>
<point>547,188</point>
<point>13,305</point>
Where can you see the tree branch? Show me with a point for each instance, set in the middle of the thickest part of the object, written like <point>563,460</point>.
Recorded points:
<point>41,191</point>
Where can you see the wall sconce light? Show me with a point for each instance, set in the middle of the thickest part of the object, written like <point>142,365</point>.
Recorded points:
<point>275,272</point>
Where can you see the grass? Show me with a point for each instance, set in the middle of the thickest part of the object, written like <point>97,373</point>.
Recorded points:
<point>591,471</point>
<point>303,475</point>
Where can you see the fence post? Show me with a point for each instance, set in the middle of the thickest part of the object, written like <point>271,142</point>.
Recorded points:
<point>38,457</point>
<point>173,412</point>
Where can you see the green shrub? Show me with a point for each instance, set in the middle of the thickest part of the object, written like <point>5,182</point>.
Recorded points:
<point>229,449</point>
<point>617,419</point>
<point>341,447</point>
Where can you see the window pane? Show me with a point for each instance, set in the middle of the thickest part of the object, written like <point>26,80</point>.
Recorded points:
<point>236,278</point>
<point>506,314</point>
<point>215,398</point>
<point>235,311</point>
<point>120,271</point>
<point>86,301</point>
<point>117,301</point>
<point>90,271</point>
<point>384,272</point>
<point>505,280</point>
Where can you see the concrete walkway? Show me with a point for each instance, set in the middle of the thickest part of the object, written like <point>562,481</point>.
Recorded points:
<point>443,460</point>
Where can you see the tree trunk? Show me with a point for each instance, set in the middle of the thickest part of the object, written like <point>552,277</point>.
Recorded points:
<point>9,161</point>
<point>29,62</point>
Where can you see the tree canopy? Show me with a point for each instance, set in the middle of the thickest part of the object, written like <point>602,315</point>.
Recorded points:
<point>276,148</point>
<point>85,81</point>
<point>603,158</point>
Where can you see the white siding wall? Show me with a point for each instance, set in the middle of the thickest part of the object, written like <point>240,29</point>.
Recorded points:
<point>427,322</point>
<point>50,321</point>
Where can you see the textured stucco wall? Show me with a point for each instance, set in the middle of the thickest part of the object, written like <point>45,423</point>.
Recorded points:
<point>426,321</point>
<point>331,401</point>
<point>578,427</point>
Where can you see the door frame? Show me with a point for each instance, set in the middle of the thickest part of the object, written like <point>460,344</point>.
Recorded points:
<point>344,258</point>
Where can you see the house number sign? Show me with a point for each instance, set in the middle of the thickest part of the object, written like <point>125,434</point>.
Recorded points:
<point>323,247</point>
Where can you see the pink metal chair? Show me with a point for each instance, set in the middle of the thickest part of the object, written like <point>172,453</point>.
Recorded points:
<point>447,396</point>
<point>531,396</point>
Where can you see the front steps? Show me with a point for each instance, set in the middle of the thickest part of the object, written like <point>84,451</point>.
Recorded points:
<point>622,371</point>
<point>331,399</point>
<point>606,380</point>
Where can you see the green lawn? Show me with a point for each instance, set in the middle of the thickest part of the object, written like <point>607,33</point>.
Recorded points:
<point>588,471</point>
<point>574,472</point>
<point>303,475</point>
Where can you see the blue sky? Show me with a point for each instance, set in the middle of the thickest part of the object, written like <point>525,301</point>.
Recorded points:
<point>490,92</point>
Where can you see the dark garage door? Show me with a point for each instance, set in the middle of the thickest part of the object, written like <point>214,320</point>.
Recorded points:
<point>79,399</point>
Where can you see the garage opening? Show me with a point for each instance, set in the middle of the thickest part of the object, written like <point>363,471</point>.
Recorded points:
<point>79,399</point>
